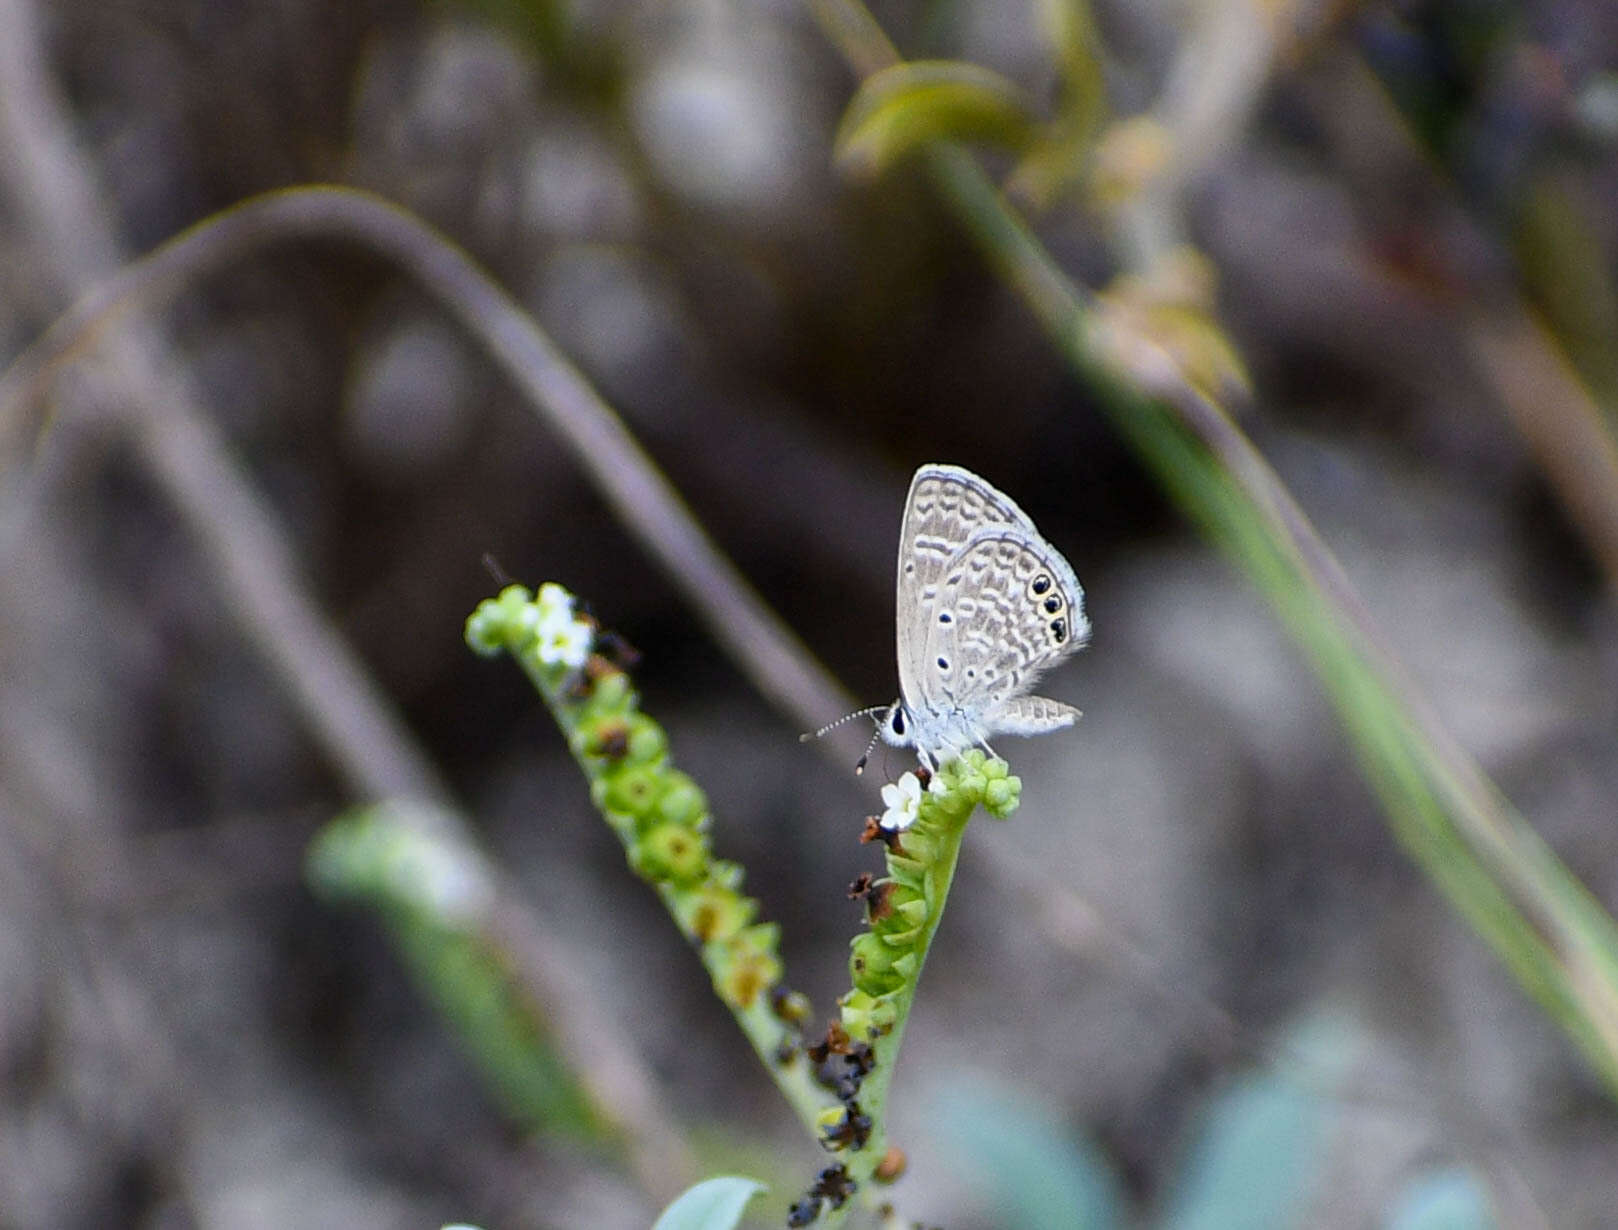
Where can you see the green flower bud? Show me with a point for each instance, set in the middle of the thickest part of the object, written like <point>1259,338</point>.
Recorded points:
<point>485,630</point>
<point>971,788</point>
<point>745,975</point>
<point>906,872</point>
<point>669,852</point>
<point>868,1016</point>
<point>1000,796</point>
<point>647,742</point>
<point>633,790</point>
<point>762,938</point>
<point>611,696</point>
<point>499,621</point>
<point>606,737</point>
<point>871,965</point>
<point>884,1015</point>
<point>682,801</point>
<point>897,937</point>
<point>921,845</point>
<point>912,911</point>
<point>711,913</point>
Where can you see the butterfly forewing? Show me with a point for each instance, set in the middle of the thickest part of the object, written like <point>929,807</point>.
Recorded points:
<point>946,506</point>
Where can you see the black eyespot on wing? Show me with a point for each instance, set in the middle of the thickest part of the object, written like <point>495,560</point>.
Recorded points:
<point>1059,630</point>
<point>1041,583</point>
<point>1053,604</point>
<point>943,664</point>
<point>897,721</point>
<point>944,617</point>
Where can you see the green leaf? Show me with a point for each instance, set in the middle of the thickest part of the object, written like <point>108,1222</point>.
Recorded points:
<point>1264,1140</point>
<point>1069,27</point>
<point>431,897</point>
<point>1250,1168</point>
<point>1450,1199</point>
<point>1034,1172</point>
<point>901,108</point>
<point>713,1204</point>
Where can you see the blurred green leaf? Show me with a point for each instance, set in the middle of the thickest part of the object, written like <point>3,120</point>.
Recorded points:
<point>1069,27</point>
<point>432,901</point>
<point>713,1204</point>
<point>902,108</point>
<point>1036,1173</point>
<point>1251,1165</point>
<point>1450,1199</point>
<point>1262,1141</point>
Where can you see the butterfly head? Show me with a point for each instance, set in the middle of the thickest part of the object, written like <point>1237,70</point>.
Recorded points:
<point>898,726</point>
<point>893,727</point>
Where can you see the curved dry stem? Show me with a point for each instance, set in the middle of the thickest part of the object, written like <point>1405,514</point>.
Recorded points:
<point>651,509</point>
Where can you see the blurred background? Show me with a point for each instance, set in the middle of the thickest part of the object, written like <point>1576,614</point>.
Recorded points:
<point>1409,210</point>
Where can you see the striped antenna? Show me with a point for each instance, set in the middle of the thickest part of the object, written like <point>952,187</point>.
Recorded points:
<point>859,767</point>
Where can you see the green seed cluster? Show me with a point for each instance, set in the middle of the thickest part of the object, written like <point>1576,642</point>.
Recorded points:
<point>902,908</point>
<point>659,813</point>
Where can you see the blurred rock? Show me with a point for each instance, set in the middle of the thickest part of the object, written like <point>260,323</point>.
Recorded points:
<point>413,398</point>
<point>720,115</point>
<point>577,188</point>
<point>438,124</point>
<point>618,316</point>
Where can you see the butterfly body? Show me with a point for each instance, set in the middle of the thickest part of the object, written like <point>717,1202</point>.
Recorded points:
<point>984,607</point>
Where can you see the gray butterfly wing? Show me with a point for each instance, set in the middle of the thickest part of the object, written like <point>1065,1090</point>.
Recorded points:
<point>1007,609</point>
<point>1030,715</point>
<point>945,508</point>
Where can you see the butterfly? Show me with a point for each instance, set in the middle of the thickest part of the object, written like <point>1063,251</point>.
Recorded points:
<point>985,606</point>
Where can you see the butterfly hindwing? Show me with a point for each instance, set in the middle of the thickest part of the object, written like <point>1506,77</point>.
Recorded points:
<point>1008,608</point>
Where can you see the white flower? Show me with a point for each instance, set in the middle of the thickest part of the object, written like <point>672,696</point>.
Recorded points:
<point>554,601</point>
<point>901,798</point>
<point>561,639</point>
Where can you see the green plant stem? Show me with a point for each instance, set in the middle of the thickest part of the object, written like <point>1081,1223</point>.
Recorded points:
<point>904,910</point>
<point>874,1092</point>
<point>764,1030</point>
<point>873,1095</point>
